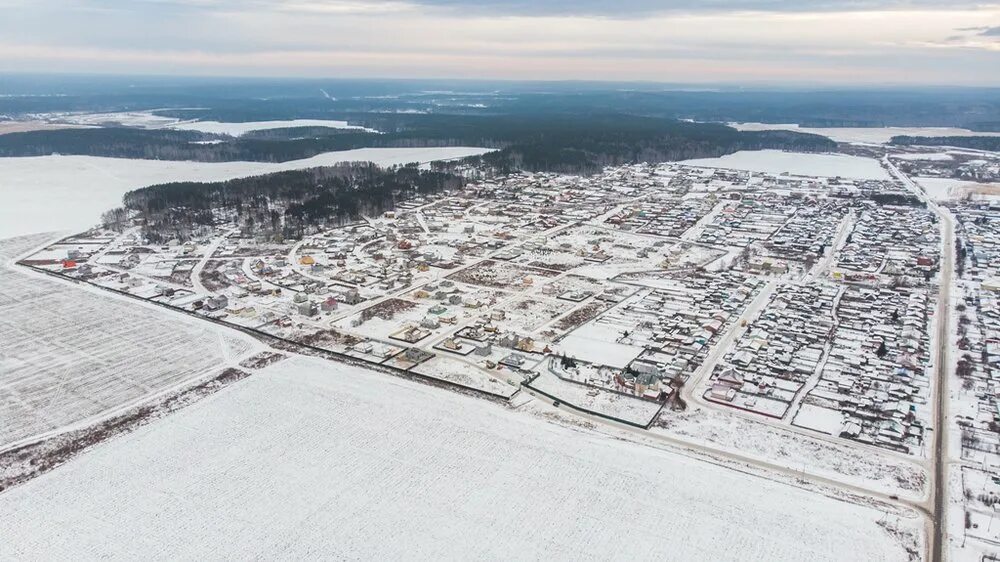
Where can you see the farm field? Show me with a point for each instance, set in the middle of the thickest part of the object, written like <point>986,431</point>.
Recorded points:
<point>354,456</point>
<point>68,354</point>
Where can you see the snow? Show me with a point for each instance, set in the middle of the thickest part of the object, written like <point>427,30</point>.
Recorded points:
<point>68,354</point>
<point>940,189</point>
<point>594,342</point>
<point>48,193</point>
<point>239,129</point>
<point>149,120</point>
<point>945,189</point>
<point>864,135</point>
<point>143,119</point>
<point>343,463</point>
<point>627,408</point>
<point>502,382</point>
<point>796,449</point>
<point>925,156</point>
<point>818,418</point>
<point>796,163</point>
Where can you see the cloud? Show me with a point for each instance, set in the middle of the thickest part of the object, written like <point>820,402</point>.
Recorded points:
<point>451,38</point>
<point>990,32</point>
<point>629,8</point>
<point>600,8</point>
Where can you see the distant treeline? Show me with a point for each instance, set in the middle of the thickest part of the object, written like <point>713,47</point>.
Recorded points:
<point>283,204</point>
<point>581,143</point>
<point>978,143</point>
<point>588,142</point>
<point>164,144</point>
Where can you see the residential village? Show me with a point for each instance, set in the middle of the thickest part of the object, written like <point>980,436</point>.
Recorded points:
<point>976,355</point>
<point>802,301</point>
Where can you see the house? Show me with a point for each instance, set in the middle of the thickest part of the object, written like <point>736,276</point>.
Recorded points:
<point>328,305</point>
<point>526,344</point>
<point>513,360</point>
<point>731,377</point>
<point>416,355</point>
<point>722,392</point>
<point>217,302</point>
<point>509,340</point>
<point>351,297</point>
<point>307,308</point>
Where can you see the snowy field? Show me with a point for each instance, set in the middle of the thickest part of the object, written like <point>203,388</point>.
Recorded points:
<point>239,129</point>
<point>49,193</point>
<point>595,342</point>
<point>863,135</point>
<point>925,156</point>
<point>68,354</point>
<point>944,189</point>
<point>346,464</point>
<point>466,374</point>
<point>940,189</point>
<point>796,163</point>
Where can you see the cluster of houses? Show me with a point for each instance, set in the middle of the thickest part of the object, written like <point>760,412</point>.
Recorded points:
<point>851,361</point>
<point>809,233</point>
<point>877,373</point>
<point>778,353</point>
<point>977,357</point>
<point>630,277</point>
<point>892,240</point>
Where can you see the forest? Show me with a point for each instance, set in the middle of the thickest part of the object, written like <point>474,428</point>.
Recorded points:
<point>280,205</point>
<point>581,143</point>
<point>977,143</point>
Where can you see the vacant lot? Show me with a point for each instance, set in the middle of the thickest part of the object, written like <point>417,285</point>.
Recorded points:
<point>68,353</point>
<point>501,275</point>
<point>342,463</point>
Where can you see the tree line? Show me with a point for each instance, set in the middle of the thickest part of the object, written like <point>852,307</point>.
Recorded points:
<point>977,143</point>
<point>570,143</point>
<point>279,205</point>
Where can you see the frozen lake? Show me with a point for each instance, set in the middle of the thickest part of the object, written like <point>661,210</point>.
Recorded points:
<point>797,163</point>
<point>863,135</point>
<point>49,193</point>
<point>238,129</point>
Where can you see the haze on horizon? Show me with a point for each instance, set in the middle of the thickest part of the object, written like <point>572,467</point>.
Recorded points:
<point>846,42</point>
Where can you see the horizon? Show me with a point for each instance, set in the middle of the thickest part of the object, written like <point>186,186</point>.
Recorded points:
<point>638,85</point>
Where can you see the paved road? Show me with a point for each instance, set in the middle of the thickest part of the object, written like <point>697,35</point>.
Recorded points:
<point>939,453</point>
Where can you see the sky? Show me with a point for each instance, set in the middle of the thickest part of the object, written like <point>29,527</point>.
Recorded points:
<point>850,42</point>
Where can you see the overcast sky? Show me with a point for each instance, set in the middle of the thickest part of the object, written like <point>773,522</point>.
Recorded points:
<point>733,41</point>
